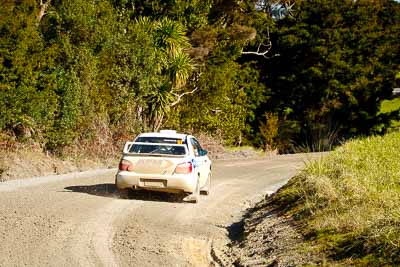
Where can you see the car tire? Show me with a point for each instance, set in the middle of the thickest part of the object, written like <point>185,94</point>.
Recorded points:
<point>207,186</point>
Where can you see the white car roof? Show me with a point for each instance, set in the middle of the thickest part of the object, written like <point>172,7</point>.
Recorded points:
<point>169,134</point>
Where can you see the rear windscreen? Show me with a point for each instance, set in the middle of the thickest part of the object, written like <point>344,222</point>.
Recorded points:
<point>160,140</point>
<point>157,149</point>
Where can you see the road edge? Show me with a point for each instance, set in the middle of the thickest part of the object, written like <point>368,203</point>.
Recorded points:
<point>12,185</point>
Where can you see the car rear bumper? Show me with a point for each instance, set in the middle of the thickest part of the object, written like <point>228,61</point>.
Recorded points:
<point>168,183</point>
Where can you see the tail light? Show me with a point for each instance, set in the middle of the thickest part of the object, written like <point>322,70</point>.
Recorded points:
<point>125,165</point>
<point>184,168</point>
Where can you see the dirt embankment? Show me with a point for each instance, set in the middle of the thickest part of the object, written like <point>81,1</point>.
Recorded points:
<point>265,237</point>
<point>33,162</point>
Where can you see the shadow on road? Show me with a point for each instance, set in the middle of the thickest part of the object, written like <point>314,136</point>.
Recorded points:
<point>109,190</point>
<point>103,190</point>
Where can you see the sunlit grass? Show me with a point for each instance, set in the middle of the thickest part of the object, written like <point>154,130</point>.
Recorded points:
<point>390,106</point>
<point>350,201</point>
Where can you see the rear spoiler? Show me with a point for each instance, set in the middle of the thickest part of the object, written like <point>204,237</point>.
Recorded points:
<point>128,146</point>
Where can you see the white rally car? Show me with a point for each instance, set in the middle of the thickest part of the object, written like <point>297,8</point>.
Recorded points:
<point>165,161</point>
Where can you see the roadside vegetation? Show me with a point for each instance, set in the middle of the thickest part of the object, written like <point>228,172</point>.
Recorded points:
<point>273,75</point>
<point>79,78</point>
<point>392,106</point>
<point>348,203</point>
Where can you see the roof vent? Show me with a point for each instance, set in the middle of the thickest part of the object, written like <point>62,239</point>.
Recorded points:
<point>168,131</point>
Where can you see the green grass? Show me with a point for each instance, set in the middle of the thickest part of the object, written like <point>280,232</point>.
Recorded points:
<point>390,106</point>
<point>349,202</point>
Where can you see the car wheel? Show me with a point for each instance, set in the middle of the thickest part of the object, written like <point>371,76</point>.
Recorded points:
<point>207,186</point>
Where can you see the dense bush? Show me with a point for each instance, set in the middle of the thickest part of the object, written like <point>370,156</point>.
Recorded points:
<point>67,67</point>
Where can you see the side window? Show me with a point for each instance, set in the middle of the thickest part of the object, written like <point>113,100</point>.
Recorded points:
<point>196,147</point>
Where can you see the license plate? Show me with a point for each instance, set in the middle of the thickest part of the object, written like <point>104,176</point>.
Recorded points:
<point>154,183</point>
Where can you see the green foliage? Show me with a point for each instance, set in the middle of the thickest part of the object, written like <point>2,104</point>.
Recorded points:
<point>390,105</point>
<point>138,65</point>
<point>191,13</point>
<point>337,62</point>
<point>269,131</point>
<point>228,95</point>
<point>69,112</point>
<point>27,71</point>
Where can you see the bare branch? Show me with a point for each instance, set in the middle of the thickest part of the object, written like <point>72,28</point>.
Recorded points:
<point>264,47</point>
<point>194,79</point>
<point>179,96</point>
<point>43,9</point>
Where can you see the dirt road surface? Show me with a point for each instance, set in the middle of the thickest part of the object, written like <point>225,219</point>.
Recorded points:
<point>80,220</point>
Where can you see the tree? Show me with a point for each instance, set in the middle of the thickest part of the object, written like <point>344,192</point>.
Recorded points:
<point>337,63</point>
<point>27,72</point>
<point>174,68</point>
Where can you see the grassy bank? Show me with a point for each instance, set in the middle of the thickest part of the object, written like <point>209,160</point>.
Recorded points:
<point>348,202</point>
<point>391,106</point>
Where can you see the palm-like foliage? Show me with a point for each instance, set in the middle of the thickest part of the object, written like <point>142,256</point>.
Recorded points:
<point>176,66</point>
<point>159,99</point>
<point>158,105</point>
<point>170,36</point>
<point>180,68</point>
<point>171,41</point>
<point>145,24</point>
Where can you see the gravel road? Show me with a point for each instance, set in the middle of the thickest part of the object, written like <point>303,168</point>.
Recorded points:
<point>80,220</point>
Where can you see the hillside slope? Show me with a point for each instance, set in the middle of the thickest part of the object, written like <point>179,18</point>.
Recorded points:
<point>340,210</point>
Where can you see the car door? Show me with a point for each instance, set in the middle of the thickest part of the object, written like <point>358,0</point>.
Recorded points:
<point>202,161</point>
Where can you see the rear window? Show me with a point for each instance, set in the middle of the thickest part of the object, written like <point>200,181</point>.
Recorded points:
<point>166,140</point>
<point>158,149</point>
